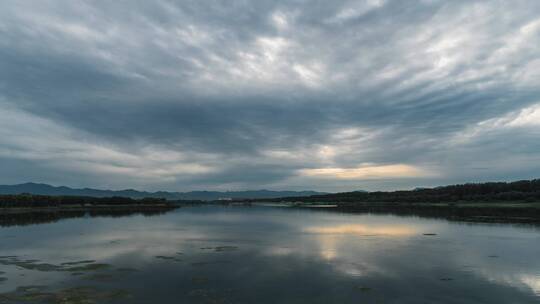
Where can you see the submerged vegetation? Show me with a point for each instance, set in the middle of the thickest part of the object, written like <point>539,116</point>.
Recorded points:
<point>79,266</point>
<point>74,295</point>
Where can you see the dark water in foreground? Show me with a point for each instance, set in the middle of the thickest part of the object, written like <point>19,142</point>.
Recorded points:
<point>268,255</point>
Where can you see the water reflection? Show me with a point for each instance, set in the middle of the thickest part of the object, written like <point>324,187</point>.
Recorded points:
<point>533,282</point>
<point>42,217</point>
<point>268,255</point>
<point>362,230</point>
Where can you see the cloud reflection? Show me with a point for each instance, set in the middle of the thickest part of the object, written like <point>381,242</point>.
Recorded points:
<point>273,249</point>
<point>533,282</point>
<point>362,230</point>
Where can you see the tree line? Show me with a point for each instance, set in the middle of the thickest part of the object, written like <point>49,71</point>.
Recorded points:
<point>519,191</point>
<point>33,200</point>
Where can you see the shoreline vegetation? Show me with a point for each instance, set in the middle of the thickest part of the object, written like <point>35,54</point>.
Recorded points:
<point>517,202</point>
<point>26,200</point>
<point>473,212</point>
<point>28,209</point>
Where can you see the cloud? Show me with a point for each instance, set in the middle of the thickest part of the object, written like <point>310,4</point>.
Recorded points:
<point>247,95</point>
<point>55,147</point>
<point>366,172</point>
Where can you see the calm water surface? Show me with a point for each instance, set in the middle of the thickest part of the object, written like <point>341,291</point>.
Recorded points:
<point>268,255</point>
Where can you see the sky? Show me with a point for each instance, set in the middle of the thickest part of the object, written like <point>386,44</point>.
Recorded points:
<point>284,95</point>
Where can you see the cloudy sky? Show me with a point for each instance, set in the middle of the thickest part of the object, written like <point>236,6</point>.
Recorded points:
<point>323,95</point>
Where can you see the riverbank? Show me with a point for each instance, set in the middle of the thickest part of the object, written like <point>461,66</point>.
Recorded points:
<point>43,215</point>
<point>499,212</point>
<point>84,208</point>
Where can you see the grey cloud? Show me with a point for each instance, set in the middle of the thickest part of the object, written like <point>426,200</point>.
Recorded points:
<point>241,80</point>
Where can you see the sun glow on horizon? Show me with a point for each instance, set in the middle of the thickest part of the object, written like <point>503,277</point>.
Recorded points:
<point>367,172</point>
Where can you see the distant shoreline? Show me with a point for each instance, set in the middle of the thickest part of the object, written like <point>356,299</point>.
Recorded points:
<point>474,212</point>
<point>495,212</point>
<point>130,207</point>
<point>524,213</point>
<point>486,202</point>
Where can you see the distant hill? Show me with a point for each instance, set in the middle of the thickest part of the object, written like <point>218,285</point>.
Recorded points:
<point>45,189</point>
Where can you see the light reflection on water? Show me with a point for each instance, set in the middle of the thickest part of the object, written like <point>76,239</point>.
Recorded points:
<point>359,229</point>
<point>270,255</point>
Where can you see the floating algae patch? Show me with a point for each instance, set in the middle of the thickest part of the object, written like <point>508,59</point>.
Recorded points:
<point>446,279</point>
<point>39,266</point>
<point>26,294</point>
<point>83,295</point>
<point>364,288</point>
<point>168,258</point>
<point>78,263</point>
<point>75,295</point>
<point>89,267</point>
<point>31,288</point>
<point>32,261</point>
<point>225,248</point>
<point>209,263</point>
<point>30,264</point>
<point>220,248</point>
<point>46,267</point>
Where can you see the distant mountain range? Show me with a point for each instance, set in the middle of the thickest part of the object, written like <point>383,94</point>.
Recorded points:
<point>45,189</point>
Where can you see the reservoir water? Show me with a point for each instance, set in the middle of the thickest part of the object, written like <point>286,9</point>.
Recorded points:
<point>214,254</point>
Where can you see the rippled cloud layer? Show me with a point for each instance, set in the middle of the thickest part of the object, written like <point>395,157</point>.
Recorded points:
<point>334,96</point>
